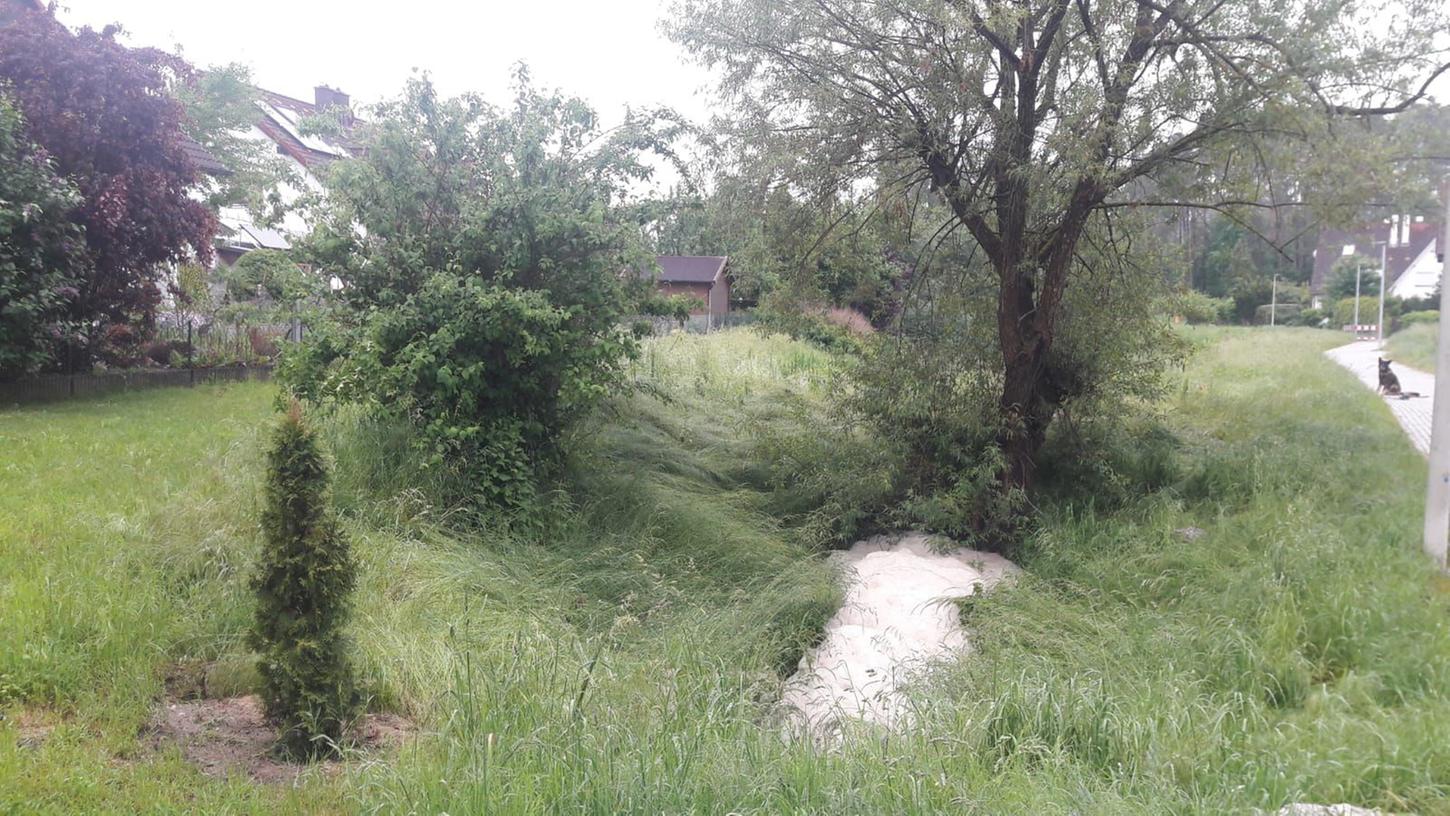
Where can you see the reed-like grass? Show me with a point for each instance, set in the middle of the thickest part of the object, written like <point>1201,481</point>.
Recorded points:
<point>626,658</point>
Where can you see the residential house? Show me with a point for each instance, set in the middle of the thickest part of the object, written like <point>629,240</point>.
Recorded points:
<point>1407,245</point>
<point>280,122</point>
<point>703,277</point>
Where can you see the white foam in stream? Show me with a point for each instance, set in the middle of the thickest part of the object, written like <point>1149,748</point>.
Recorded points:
<point>897,616</point>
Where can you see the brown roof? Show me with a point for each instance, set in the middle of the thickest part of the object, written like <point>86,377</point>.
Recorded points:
<point>1366,241</point>
<point>202,158</point>
<point>691,268</point>
<point>282,116</point>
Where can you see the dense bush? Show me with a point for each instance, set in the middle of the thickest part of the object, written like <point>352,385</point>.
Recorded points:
<point>105,117</point>
<point>269,273</point>
<point>39,250</point>
<point>1312,317</point>
<point>302,584</point>
<point>1282,314</point>
<point>1196,307</point>
<point>484,299</point>
<point>1413,318</point>
<point>488,372</point>
<point>809,325</point>
<point>1424,303</point>
<point>1368,311</point>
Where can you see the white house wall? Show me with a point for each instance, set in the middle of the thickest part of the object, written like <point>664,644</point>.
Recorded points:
<point>1420,278</point>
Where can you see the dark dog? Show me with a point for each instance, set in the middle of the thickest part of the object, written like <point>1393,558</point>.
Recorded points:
<point>1390,384</point>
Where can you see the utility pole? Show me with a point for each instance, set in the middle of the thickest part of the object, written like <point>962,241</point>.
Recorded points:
<point>1437,489</point>
<point>1384,273</point>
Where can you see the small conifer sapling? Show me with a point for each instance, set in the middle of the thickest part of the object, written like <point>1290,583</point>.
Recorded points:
<point>302,587</point>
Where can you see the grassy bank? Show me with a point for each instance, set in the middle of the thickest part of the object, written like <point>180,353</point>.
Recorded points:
<point>1414,346</point>
<point>625,658</point>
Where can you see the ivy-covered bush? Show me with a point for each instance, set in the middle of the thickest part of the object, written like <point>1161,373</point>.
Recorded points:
<point>303,582</point>
<point>487,372</point>
<point>484,297</point>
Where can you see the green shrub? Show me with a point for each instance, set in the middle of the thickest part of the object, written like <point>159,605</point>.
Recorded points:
<point>1344,311</point>
<point>1196,307</point>
<point>40,251</point>
<point>808,326</point>
<point>1413,318</point>
<point>484,304</point>
<point>270,272</point>
<point>1313,318</point>
<point>303,583</point>
<point>1284,314</point>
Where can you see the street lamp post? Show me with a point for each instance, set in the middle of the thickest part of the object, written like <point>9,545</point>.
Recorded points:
<point>1358,267</point>
<point>1384,273</point>
<point>1274,299</point>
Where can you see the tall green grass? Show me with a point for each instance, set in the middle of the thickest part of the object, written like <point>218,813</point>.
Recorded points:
<point>1414,345</point>
<point>627,657</point>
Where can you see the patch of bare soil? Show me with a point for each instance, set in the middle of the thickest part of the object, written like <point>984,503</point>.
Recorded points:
<point>230,736</point>
<point>31,729</point>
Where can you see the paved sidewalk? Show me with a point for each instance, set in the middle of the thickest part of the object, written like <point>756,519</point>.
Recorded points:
<point>1362,358</point>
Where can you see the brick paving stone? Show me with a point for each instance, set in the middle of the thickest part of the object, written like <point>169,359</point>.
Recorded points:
<point>1362,358</point>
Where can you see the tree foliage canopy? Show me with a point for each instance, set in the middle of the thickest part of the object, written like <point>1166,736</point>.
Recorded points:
<point>104,115</point>
<point>221,115</point>
<point>40,249</point>
<point>1039,125</point>
<point>485,262</point>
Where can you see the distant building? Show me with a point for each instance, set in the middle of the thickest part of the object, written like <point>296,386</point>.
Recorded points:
<point>704,277</point>
<point>1408,244</point>
<point>280,122</point>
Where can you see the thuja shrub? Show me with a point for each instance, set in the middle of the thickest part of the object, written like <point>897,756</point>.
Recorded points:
<point>303,584</point>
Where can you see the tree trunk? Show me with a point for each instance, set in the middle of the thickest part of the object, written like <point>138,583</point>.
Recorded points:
<point>1024,416</point>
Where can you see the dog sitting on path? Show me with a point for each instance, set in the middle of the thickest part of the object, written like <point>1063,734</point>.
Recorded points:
<point>1390,384</point>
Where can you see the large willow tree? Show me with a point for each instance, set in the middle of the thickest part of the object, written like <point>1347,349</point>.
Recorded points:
<point>1031,120</point>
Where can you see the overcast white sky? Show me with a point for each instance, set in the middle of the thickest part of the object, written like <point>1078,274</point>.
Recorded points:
<point>608,51</point>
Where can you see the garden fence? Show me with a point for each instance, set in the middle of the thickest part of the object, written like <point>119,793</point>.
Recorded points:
<point>57,387</point>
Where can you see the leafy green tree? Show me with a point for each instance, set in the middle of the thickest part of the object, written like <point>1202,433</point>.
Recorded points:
<point>40,250</point>
<point>480,252</point>
<point>105,117</point>
<point>221,110</point>
<point>304,580</point>
<point>821,252</point>
<point>1342,277</point>
<point>271,273</point>
<point>1037,124</point>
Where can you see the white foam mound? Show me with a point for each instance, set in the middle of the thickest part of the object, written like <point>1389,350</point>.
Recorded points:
<point>898,615</point>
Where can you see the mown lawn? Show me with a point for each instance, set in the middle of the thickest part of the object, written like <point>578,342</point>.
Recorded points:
<point>624,658</point>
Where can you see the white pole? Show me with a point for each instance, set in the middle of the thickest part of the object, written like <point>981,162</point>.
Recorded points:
<point>1384,273</point>
<point>1437,489</point>
<point>1357,268</point>
<point>1274,300</point>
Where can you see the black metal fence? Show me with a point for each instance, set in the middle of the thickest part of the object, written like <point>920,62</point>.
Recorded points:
<point>56,387</point>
